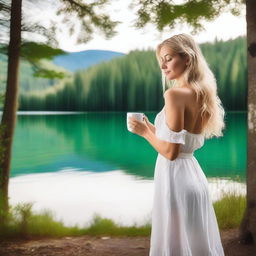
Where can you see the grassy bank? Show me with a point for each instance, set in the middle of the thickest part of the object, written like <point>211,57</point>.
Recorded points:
<point>23,222</point>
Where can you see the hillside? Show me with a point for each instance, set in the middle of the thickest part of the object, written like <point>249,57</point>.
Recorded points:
<point>66,63</point>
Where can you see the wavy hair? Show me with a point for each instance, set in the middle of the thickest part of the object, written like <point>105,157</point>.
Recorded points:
<point>199,76</point>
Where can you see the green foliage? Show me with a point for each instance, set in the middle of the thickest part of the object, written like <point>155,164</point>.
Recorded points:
<point>32,78</point>
<point>229,210</point>
<point>35,61</point>
<point>133,82</point>
<point>88,19</point>
<point>50,74</point>
<point>194,13</point>
<point>228,62</point>
<point>23,215</point>
<point>33,52</point>
<point>103,226</point>
<point>22,221</point>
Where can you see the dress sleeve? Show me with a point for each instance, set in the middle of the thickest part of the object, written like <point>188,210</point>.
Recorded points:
<point>166,134</point>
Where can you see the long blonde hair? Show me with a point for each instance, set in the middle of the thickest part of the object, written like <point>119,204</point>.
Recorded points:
<point>199,76</point>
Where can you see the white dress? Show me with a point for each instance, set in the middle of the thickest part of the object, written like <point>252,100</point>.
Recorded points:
<point>183,217</point>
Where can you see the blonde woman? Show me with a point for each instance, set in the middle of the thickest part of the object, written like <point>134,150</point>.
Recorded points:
<point>183,218</point>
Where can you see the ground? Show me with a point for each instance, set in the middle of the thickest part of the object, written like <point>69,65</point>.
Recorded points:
<point>105,246</point>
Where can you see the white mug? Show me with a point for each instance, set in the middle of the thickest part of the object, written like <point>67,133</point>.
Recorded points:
<point>137,115</point>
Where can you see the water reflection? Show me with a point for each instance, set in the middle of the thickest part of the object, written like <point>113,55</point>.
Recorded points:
<point>75,195</point>
<point>100,142</point>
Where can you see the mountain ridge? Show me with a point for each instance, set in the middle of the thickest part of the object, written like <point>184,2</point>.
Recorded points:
<point>74,61</point>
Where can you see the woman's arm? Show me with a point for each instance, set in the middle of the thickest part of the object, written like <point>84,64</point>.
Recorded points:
<point>143,129</point>
<point>150,125</point>
<point>174,111</point>
<point>162,147</point>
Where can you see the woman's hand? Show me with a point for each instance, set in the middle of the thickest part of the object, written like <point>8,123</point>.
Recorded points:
<point>151,126</point>
<point>138,127</point>
<point>145,118</point>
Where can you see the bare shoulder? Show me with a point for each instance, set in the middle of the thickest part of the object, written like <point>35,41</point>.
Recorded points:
<point>178,91</point>
<point>176,94</point>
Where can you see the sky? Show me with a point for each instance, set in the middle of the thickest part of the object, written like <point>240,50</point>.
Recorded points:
<point>128,38</point>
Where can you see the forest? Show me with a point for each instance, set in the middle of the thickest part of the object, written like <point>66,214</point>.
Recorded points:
<point>133,82</point>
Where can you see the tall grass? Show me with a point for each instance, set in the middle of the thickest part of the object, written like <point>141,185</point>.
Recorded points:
<point>229,210</point>
<point>24,223</point>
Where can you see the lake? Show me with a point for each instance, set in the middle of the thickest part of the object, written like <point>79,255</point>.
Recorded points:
<point>80,164</point>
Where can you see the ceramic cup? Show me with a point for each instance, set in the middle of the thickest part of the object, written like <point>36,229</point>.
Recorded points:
<point>137,115</point>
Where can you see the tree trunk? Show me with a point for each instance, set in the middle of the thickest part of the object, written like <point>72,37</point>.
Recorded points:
<point>10,106</point>
<point>248,225</point>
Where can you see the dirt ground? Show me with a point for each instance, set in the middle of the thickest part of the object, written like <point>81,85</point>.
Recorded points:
<point>106,246</point>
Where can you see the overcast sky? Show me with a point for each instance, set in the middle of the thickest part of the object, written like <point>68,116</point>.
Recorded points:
<point>128,38</point>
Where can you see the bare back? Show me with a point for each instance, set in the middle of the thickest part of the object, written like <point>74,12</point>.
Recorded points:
<point>193,122</point>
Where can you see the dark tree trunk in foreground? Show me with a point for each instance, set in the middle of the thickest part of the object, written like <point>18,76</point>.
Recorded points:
<point>10,106</point>
<point>248,225</point>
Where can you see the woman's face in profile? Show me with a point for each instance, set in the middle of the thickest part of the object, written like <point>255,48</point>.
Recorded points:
<point>172,64</point>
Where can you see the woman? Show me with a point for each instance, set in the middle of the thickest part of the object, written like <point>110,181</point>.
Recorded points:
<point>183,217</point>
